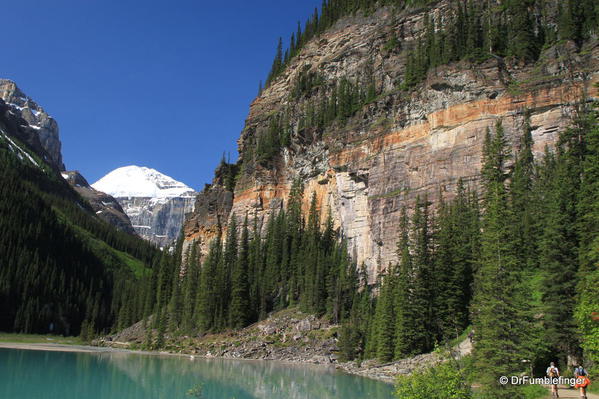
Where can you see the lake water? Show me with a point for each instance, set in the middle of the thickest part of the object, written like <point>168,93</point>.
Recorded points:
<point>33,374</point>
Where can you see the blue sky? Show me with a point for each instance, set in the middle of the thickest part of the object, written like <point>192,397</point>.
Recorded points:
<point>150,83</point>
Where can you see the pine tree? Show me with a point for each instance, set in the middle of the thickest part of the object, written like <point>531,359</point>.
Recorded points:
<point>588,203</point>
<point>207,287</point>
<point>423,280</point>
<point>405,326</point>
<point>498,308</point>
<point>385,318</point>
<point>225,266</point>
<point>588,227</point>
<point>240,311</point>
<point>524,205</point>
<point>523,42</point>
<point>559,244</point>
<point>190,283</point>
<point>255,261</point>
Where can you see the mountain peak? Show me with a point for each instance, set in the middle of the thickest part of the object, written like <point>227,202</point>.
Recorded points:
<point>140,181</point>
<point>43,125</point>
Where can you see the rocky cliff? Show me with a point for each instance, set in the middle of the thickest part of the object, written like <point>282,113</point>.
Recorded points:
<point>44,126</point>
<point>403,143</point>
<point>106,207</point>
<point>155,203</point>
<point>30,124</point>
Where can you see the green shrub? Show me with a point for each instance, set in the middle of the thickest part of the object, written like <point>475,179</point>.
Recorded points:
<point>443,381</point>
<point>534,391</point>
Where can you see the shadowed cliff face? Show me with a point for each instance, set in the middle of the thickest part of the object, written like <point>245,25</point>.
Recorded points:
<point>403,144</point>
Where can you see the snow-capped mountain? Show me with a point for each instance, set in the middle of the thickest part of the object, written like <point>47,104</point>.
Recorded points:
<point>155,203</point>
<point>139,181</point>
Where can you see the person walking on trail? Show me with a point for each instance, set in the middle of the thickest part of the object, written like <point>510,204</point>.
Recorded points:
<point>582,381</point>
<point>553,373</point>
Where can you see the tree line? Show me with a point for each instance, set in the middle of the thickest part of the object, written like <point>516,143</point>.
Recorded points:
<point>515,259</point>
<point>251,270</point>
<point>472,30</point>
<point>519,265</point>
<point>316,114</point>
<point>62,269</point>
<point>475,31</point>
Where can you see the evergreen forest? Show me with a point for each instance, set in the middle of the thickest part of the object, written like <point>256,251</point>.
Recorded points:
<point>513,260</point>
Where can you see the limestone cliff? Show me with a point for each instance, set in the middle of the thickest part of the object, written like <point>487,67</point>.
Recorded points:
<point>43,125</point>
<point>155,203</point>
<point>401,144</point>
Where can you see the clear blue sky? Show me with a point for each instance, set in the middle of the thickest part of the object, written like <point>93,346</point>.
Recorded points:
<point>164,84</point>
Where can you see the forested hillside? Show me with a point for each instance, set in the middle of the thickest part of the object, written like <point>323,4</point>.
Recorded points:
<point>433,144</point>
<point>62,270</point>
<point>506,247</point>
<point>516,260</point>
<point>473,31</point>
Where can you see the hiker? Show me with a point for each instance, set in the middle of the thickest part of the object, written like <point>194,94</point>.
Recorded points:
<point>553,373</point>
<point>582,381</point>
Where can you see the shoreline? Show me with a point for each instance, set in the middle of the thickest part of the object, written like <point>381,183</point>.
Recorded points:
<point>56,347</point>
<point>90,349</point>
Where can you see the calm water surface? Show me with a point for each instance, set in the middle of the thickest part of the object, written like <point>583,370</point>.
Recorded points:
<point>32,374</point>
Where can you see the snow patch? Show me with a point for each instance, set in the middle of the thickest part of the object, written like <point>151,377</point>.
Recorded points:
<point>136,181</point>
<point>21,152</point>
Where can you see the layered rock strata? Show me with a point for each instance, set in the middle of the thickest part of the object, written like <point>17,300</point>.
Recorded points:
<point>403,144</point>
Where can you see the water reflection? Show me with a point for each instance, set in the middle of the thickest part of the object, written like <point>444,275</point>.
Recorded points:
<point>62,375</point>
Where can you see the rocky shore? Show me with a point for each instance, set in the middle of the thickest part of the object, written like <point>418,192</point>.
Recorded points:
<point>288,336</point>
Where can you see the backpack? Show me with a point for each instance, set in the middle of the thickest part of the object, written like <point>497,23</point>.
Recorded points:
<point>552,372</point>
<point>580,371</point>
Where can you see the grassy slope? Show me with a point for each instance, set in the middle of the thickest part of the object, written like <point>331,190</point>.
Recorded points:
<point>36,339</point>
<point>100,248</point>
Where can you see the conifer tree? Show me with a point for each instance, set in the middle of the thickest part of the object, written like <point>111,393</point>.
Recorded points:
<point>524,206</point>
<point>255,261</point>
<point>207,288</point>
<point>559,244</point>
<point>225,266</point>
<point>240,313</point>
<point>523,42</point>
<point>190,283</point>
<point>423,280</point>
<point>498,308</point>
<point>588,227</point>
<point>405,327</point>
<point>385,318</point>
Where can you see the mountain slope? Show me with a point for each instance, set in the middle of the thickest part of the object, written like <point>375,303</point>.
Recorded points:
<point>155,203</point>
<point>61,266</point>
<point>105,206</point>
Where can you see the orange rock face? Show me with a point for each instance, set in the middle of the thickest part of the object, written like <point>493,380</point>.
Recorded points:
<point>402,145</point>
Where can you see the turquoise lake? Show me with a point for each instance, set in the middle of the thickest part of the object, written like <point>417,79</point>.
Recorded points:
<point>33,374</point>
